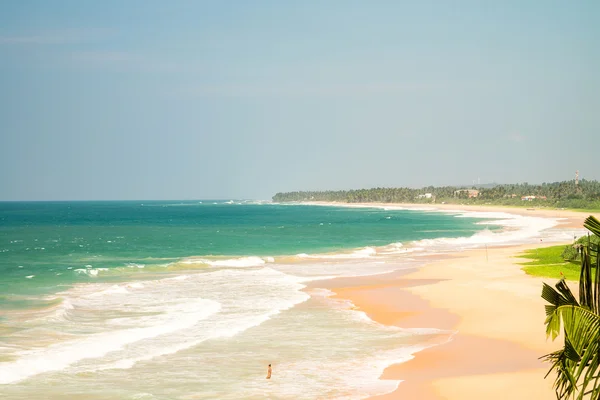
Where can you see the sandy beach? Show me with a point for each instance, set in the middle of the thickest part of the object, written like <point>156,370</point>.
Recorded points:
<point>491,307</point>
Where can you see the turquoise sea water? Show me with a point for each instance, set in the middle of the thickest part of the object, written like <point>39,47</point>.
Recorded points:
<point>180,300</point>
<point>53,241</point>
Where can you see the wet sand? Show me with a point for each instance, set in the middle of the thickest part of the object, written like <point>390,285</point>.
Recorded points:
<point>494,310</point>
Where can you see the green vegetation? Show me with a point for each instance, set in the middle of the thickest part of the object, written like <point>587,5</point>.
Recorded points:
<point>548,262</point>
<point>577,363</point>
<point>566,194</point>
<point>572,253</point>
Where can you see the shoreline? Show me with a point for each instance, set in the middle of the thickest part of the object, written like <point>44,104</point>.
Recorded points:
<point>496,315</point>
<point>567,219</point>
<point>496,312</point>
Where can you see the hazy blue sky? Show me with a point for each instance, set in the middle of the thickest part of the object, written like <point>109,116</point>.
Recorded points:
<point>241,99</point>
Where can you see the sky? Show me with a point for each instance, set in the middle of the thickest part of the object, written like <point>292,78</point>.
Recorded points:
<point>243,99</point>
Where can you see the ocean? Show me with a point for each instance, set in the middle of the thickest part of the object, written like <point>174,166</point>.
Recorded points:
<point>193,299</point>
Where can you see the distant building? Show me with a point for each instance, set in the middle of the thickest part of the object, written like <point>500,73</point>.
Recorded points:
<point>529,198</point>
<point>425,196</point>
<point>470,192</point>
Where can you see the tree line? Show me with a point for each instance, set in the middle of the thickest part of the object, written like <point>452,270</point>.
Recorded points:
<point>565,194</point>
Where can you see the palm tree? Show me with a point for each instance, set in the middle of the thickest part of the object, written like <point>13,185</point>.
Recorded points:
<point>577,364</point>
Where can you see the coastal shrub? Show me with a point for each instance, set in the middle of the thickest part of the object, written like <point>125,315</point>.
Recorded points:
<point>572,252</point>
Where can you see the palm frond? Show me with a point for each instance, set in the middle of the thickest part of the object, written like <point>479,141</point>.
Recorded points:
<point>564,383</point>
<point>596,294</point>
<point>567,296</point>
<point>577,364</point>
<point>586,295</point>
<point>582,345</point>
<point>558,297</point>
<point>592,224</point>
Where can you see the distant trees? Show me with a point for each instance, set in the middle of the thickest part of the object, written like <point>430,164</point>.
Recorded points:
<point>557,194</point>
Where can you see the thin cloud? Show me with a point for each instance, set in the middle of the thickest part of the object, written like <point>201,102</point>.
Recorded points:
<point>125,61</point>
<point>39,39</point>
<point>103,57</point>
<point>319,89</point>
<point>292,90</point>
<point>68,36</point>
<point>516,137</point>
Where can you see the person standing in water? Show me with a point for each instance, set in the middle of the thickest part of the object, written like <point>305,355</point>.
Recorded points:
<point>269,372</point>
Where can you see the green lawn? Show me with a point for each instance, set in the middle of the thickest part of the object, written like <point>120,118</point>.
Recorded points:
<point>547,262</point>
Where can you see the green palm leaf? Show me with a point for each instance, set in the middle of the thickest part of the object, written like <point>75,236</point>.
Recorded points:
<point>560,296</point>
<point>592,224</point>
<point>582,345</point>
<point>577,364</point>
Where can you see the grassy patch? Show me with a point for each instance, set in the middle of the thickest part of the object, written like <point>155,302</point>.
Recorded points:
<point>547,262</point>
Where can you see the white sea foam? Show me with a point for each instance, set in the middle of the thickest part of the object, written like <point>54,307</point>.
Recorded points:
<point>112,290</point>
<point>178,278</point>
<point>314,270</point>
<point>517,229</point>
<point>351,350</point>
<point>258,202</point>
<point>61,312</point>
<point>343,304</point>
<point>92,272</point>
<point>277,292</point>
<point>59,356</point>
<point>401,208</point>
<point>366,252</point>
<point>393,248</point>
<point>139,321</point>
<point>241,262</point>
<point>356,378</point>
<point>238,262</point>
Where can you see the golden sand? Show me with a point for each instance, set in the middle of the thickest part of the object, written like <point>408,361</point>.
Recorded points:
<point>492,305</point>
